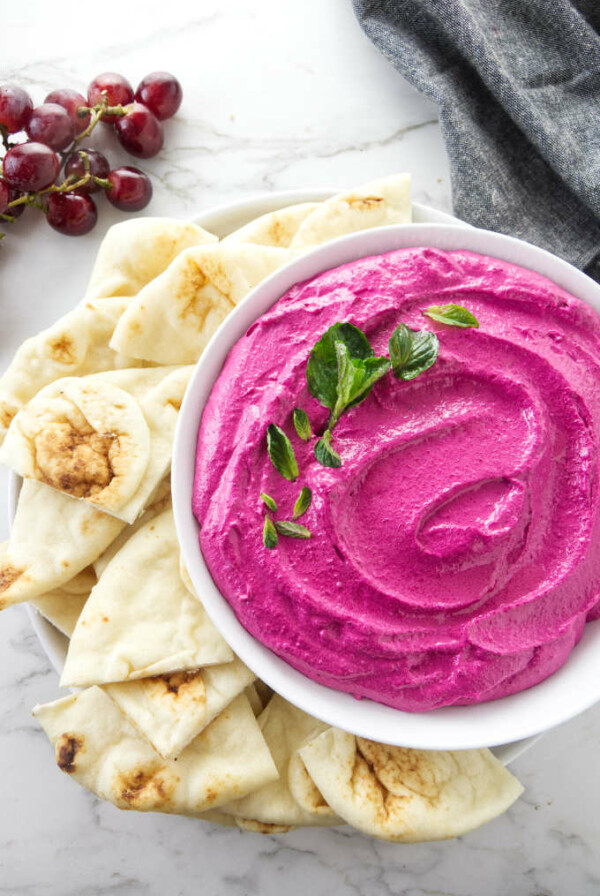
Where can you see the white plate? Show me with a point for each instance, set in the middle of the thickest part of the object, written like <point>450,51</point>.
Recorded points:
<point>222,220</point>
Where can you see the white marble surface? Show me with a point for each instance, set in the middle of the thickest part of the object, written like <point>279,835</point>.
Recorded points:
<point>278,94</point>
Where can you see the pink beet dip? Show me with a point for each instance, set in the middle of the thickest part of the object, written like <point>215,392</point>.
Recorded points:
<point>454,555</point>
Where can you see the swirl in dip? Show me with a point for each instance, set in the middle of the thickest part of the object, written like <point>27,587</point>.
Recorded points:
<point>454,555</point>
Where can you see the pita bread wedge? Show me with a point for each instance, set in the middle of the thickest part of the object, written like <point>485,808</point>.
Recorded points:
<point>159,502</point>
<point>172,319</point>
<point>61,609</point>
<point>75,345</point>
<point>52,539</point>
<point>171,710</point>
<point>92,440</point>
<point>254,700</point>
<point>275,229</point>
<point>82,583</point>
<point>285,728</point>
<point>134,252</point>
<point>374,204</point>
<point>86,438</point>
<point>408,795</point>
<point>259,827</point>
<point>215,816</point>
<point>99,748</point>
<point>306,793</point>
<point>63,606</point>
<point>140,621</point>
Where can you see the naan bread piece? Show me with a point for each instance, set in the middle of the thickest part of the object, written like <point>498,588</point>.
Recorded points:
<point>83,437</point>
<point>275,229</point>
<point>91,439</point>
<point>172,319</point>
<point>375,204</point>
<point>406,795</point>
<point>100,749</point>
<point>140,620</point>
<point>159,502</point>
<point>171,710</point>
<point>75,345</point>
<point>285,728</point>
<point>134,252</point>
<point>52,539</point>
<point>61,608</point>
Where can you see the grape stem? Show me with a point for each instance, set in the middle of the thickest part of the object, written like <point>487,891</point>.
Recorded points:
<point>96,112</point>
<point>67,186</point>
<point>4,135</point>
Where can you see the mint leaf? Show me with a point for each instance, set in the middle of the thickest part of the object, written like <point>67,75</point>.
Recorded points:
<point>452,315</point>
<point>269,534</point>
<point>281,453</point>
<point>269,502</point>
<point>302,424</point>
<point>322,367</point>
<point>303,502</point>
<point>325,454</point>
<point>292,530</point>
<point>356,378</point>
<point>412,351</point>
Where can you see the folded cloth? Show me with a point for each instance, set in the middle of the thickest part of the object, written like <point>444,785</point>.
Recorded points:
<point>518,86</point>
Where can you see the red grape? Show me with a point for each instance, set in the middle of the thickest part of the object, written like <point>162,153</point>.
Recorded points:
<point>140,132</point>
<point>52,125</point>
<point>130,190</point>
<point>4,196</point>
<point>72,101</point>
<point>30,167</point>
<point>71,213</point>
<point>15,108</point>
<point>119,92</point>
<point>161,92</point>
<point>99,167</point>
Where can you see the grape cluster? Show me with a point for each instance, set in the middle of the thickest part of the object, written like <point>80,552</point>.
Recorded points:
<point>50,169</point>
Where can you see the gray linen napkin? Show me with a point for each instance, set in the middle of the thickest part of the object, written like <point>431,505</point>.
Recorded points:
<point>518,87</point>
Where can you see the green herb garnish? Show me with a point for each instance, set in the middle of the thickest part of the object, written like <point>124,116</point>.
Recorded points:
<point>322,367</point>
<point>302,424</point>
<point>412,351</point>
<point>303,502</point>
<point>452,315</point>
<point>281,453</point>
<point>269,534</point>
<point>292,530</point>
<point>356,378</point>
<point>325,453</point>
<point>269,502</point>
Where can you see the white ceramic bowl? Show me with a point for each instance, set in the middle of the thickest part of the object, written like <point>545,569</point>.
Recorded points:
<point>572,689</point>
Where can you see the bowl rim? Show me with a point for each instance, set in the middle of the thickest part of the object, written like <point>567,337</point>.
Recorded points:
<point>518,716</point>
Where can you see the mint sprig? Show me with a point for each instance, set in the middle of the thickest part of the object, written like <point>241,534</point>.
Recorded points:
<point>451,315</point>
<point>412,351</point>
<point>303,502</point>
<point>322,367</point>
<point>269,534</point>
<point>281,453</point>
<point>269,502</point>
<point>292,530</point>
<point>355,379</point>
<point>302,424</point>
<point>325,453</point>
